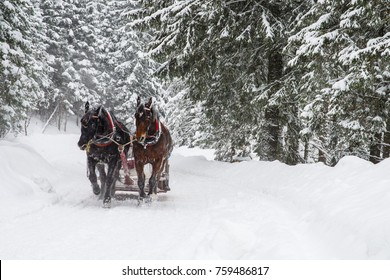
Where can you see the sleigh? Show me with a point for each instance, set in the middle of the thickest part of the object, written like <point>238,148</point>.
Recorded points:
<point>104,138</point>
<point>128,182</point>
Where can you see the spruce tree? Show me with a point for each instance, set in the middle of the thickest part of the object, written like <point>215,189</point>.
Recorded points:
<point>127,71</point>
<point>22,63</point>
<point>230,54</point>
<point>341,52</point>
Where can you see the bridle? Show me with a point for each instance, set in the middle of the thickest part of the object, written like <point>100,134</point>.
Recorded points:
<point>150,140</point>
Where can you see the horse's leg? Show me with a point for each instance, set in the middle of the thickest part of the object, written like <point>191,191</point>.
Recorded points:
<point>103,178</point>
<point>92,175</point>
<point>166,176</point>
<point>155,176</point>
<point>112,166</point>
<point>139,167</point>
<point>161,183</point>
<point>116,178</point>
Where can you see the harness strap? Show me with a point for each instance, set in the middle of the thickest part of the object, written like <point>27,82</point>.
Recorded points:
<point>110,141</point>
<point>112,126</point>
<point>109,137</point>
<point>110,121</point>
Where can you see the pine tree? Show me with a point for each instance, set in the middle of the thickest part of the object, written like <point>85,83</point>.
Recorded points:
<point>57,15</point>
<point>184,118</point>
<point>127,70</point>
<point>230,55</point>
<point>342,55</point>
<point>22,67</point>
<point>84,53</point>
<point>72,44</point>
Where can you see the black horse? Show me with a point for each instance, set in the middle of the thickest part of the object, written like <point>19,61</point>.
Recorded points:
<point>154,145</point>
<point>104,138</point>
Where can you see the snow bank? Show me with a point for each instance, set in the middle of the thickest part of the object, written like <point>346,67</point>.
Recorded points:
<point>208,154</point>
<point>26,177</point>
<point>215,210</point>
<point>345,207</point>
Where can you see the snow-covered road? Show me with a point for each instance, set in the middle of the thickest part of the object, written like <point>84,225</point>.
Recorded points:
<point>248,210</point>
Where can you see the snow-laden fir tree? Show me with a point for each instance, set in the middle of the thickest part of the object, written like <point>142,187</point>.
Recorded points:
<point>230,55</point>
<point>182,44</point>
<point>128,70</point>
<point>342,54</point>
<point>84,54</point>
<point>23,69</point>
<point>72,44</point>
<point>185,118</point>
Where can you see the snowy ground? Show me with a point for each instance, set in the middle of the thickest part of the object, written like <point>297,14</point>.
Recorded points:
<point>248,210</point>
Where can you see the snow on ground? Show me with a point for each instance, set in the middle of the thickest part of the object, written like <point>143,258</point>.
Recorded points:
<point>216,210</point>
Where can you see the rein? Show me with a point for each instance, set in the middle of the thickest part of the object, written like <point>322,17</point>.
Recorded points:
<point>109,142</point>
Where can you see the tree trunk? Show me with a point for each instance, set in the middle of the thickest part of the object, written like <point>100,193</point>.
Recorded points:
<point>65,121</point>
<point>272,114</point>
<point>50,118</point>
<point>321,156</point>
<point>306,152</point>
<point>386,141</point>
<point>272,117</point>
<point>26,124</point>
<point>292,137</point>
<point>375,148</point>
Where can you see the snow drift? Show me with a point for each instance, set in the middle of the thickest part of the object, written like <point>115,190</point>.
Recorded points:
<point>216,210</point>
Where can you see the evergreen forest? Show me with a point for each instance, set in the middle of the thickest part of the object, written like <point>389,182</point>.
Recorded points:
<point>298,81</point>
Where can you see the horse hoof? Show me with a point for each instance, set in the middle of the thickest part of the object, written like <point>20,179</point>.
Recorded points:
<point>96,190</point>
<point>107,203</point>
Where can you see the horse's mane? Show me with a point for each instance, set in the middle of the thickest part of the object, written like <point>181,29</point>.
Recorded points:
<point>119,124</point>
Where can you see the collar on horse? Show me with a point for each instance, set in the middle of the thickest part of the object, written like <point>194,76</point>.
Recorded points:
<point>153,139</point>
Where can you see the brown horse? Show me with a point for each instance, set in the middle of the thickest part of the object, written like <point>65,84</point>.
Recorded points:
<point>154,146</point>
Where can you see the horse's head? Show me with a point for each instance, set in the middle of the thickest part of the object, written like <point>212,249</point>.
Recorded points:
<point>145,118</point>
<point>91,125</point>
